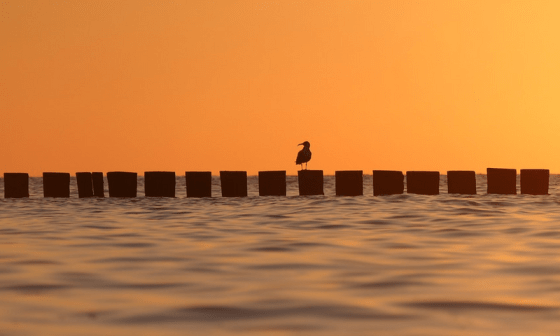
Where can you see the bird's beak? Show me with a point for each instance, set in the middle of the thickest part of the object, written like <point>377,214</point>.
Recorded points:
<point>301,144</point>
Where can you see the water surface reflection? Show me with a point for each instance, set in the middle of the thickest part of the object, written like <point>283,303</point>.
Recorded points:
<point>402,264</point>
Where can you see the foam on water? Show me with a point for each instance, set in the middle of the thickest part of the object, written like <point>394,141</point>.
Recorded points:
<point>321,265</point>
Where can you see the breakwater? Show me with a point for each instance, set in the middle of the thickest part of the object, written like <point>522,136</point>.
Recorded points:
<point>273,183</point>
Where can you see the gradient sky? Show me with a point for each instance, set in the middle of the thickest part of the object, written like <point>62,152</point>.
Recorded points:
<point>236,85</point>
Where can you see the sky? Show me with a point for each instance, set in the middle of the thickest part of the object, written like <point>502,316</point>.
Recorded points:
<point>142,85</point>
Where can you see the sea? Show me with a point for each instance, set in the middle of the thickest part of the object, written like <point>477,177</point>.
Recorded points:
<point>319,265</point>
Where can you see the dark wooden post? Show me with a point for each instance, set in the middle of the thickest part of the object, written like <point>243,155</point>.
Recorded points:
<point>502,181</point>
<point>122,184</point>
<point>388,182</point>
<point>56,184</point>
<point>534,181</point>
<point>16,185</point>
<point>349,183</point>
<point>310,182</point>
<point>159,184</point>
<point>199,184</point>
<point>272,183</point>
<point>422,182</point>
<point>98,184</point>
<point>85,184</point>
<point>234,183</point>
<point>461,182</point>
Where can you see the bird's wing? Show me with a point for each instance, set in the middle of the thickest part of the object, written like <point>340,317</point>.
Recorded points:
<point>300,157</point>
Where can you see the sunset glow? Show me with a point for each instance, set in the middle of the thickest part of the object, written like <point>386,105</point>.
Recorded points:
<point>236,85</point>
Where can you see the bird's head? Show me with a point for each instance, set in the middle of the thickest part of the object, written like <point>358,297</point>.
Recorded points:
<point>305,144</point>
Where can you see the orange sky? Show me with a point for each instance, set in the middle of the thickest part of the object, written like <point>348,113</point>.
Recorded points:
<point>236,85</point>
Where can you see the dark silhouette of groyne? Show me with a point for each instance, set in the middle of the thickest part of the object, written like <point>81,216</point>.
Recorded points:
<point>56,184</point>
<point>534,181</point>
<point>349,183</point>
<point>273,183</point>
<point>422,182</point>
<point>159,184</point>
<point>461,182</point>
<point>199,184</point>
<point>84,181</point>
<point>98,184</point>
<point>234,183</point>
<point>310,182</point>
<point>16,185</point>
<point>501,181</point>
<point>388,182</point>
<point>122,184</point>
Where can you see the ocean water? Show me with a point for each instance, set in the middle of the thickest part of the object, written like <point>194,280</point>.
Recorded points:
<point>321,265</point>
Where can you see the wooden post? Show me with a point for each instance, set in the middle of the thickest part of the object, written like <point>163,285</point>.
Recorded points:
<point>422,182</point>
<point>349,183</point>
<point>98,184</point>
<point>534,181</point>
<point>234,183</point>
<point>310,182</point>
<point>56,184</point>
<point>16,185</point>
<point>502,181</point>
<point>461,182</point>
<point>199,184</point>
<point>122,184</point>
<point>388,182</point>
<point>159,184</point>
<point>85,184</point>
<point>272,183</point>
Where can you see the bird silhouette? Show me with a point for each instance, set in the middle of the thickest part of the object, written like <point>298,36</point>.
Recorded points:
<point>304,155</point>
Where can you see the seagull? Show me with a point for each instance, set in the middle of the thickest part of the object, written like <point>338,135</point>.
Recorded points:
<point>304,155</point>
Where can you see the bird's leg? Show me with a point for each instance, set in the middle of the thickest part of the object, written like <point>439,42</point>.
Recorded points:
<point>301,164</point>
